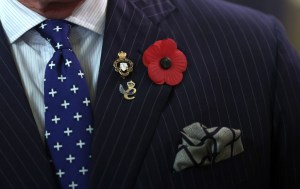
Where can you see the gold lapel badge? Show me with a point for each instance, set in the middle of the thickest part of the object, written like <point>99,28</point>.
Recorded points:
<point>123,65</point>
<point>129,92</point>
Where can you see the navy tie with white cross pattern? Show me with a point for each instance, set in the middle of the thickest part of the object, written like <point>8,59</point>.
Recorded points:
<point>68,113</point>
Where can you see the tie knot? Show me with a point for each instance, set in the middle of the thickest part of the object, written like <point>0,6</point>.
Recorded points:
<point>56,32</point>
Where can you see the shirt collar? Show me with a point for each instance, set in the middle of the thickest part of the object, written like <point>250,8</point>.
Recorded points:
<point>90,15</point>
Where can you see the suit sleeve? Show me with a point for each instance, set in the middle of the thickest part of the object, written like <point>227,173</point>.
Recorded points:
<point>286,115</point>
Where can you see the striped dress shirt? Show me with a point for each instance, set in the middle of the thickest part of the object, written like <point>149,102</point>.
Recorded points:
<point>32,52</point>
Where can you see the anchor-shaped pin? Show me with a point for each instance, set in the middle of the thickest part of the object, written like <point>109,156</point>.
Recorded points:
<point>129,92</point>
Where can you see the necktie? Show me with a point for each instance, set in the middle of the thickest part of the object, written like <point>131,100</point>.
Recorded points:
<point>68,114</point>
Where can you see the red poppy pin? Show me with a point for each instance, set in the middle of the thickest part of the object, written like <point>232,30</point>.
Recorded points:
<point>165,62</point>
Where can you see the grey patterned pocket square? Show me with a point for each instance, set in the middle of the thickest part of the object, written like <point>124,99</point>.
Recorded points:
<point>205,146</point>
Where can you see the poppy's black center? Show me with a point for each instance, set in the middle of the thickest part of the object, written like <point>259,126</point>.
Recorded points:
<point>165,63</point>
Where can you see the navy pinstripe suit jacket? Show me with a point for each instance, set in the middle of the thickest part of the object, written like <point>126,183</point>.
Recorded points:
<point>242,73</point>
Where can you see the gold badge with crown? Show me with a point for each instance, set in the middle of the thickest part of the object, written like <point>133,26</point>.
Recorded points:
<point>123,65</point>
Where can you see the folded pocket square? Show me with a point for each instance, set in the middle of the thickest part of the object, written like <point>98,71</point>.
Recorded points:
<point>205,146</point>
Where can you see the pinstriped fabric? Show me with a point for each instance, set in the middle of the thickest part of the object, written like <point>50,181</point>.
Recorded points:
<point>7,180</point>
<point>18,157</point>
<point>116,162</point>
<point>220,12</point>
<point>242,73</point>
<point>287,100</point>
<point>20,141</point>
<point>252,61</point>
<point>238,52</point>
<point>288,55</point>
<point>185,97</point>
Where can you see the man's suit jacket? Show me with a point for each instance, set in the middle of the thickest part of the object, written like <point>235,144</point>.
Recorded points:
<point>274,7</point>
<point>242,73</point>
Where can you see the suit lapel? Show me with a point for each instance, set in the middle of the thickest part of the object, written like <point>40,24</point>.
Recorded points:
<point>22,151</point>
<point>123,129</point>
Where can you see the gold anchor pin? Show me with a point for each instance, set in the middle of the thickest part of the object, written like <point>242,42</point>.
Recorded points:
<point>129,92</point>
<point>123,65</point>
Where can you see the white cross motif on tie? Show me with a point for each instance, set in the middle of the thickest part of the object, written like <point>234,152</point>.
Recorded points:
<point>73,185</point>
<point>68,131</point>
<point>74,89</point>
<point>68,63</point>
<point>80,144</point>
<point>61,78</point>
<point>68,112</point>
<point>58,146</point>
<point>51,65</point>
<point>70,158</point>
<point>45,108</point>
<point>86,102</point>
<point>89,129</point>
<point>58,45</point>
<point>57,28</point>
<point>80,74</point>
<point>55,119</point>
<point>52,92</point>
<point>83,170</point>
<point>47,134</point>
<point>77,116</point>
<point>65,104</point>
<point>60,173</point>
<point>43,26</point>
